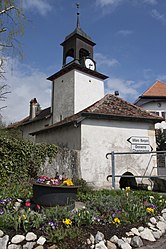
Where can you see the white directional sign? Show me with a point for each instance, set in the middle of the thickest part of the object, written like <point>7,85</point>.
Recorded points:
<point>140,144</point>
<point>141,147</point>
<point>138,140</point>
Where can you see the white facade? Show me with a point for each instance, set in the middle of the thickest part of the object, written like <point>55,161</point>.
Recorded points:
<point>95,138</point>
<point>32,127</point>
<point>102,137</point>
<point>73,92</point>
<point>156,107</point>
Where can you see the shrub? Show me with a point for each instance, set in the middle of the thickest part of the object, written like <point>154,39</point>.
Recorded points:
<point>21,159</point>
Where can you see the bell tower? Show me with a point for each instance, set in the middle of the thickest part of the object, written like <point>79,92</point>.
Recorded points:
<point>78,84</point>
<point>77,45</point>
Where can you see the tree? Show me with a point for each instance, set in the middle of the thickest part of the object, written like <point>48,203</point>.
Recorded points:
<point>11,26</point>
<point>161,139</point>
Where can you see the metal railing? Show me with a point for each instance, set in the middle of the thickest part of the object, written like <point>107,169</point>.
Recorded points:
<point>113,154</point>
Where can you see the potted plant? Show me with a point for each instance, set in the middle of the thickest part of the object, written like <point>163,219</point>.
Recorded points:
<point>58,190</point>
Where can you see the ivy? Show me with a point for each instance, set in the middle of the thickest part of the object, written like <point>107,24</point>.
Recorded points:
<point>21,159</point>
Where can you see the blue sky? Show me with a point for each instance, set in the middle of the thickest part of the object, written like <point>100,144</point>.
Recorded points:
<point>130,37</point>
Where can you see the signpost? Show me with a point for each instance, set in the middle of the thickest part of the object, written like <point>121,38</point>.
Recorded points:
<point>140,144</point>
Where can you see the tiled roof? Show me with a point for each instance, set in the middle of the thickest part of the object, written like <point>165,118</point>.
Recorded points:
<point>158,89</point>
<point>45,113</point>
<point>109,107</point>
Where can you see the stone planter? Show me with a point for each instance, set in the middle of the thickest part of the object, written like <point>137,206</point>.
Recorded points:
<point>50,195</point>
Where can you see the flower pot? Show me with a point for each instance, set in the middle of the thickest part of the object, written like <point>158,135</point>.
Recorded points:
<point>50,195</point>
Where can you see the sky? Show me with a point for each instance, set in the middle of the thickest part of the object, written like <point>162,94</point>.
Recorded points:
<point>130,37</point>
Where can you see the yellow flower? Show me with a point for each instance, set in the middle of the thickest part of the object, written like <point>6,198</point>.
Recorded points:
<point>67,222</point>
<point>68,182</point>
<point>116,221</point>
<point>127,189</point>
<point>150,210</point>
<point>24,216</point>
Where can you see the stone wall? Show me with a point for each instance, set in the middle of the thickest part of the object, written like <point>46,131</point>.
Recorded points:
<point>67,161</point>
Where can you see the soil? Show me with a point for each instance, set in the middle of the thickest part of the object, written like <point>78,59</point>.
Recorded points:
<point>108,230</point>
<point>80,242</point>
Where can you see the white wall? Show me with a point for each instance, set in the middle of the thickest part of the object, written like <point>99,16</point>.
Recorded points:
<point>159,106</point>
<point>155,106</point>
<point>74,91</point>
<point>88,90</point>
<point>63,97</point>
<point>68,136</point>
<point>102,137</point>
<point>34,126</point>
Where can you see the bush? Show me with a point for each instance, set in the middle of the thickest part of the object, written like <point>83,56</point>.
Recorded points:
<point>21,159</point>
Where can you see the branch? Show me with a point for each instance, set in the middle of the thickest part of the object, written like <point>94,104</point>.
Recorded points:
<point>3,30</point>
<point>7,9</point>
<point>6,45</point>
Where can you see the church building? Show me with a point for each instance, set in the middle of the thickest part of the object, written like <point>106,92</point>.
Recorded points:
<point>83,119</point>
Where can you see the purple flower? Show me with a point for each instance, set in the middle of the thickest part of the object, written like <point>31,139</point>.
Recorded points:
<point>52,224</point>
<point>1,211</point>
<point>2,202</point>
<point>152,206</point>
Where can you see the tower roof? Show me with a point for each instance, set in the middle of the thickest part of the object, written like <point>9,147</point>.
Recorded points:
<point>78,31</point>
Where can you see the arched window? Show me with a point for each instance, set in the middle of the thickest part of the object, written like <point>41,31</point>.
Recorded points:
<point>69,56</point>
<point>83,53</point>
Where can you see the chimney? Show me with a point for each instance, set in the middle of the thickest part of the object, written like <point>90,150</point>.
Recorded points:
<point>116,93</point>
<point>33,108</point>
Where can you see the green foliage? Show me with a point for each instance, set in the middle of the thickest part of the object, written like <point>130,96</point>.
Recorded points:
<point>12,189</point>
<point>24,220</point>
<point>20,159</point>
<point>58,235</point>
<point>55,213</point>
<point>83,216</point>
<point>83,186</point>
<point>160,140</point>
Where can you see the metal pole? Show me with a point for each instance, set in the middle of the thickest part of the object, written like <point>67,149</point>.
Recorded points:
<point>113,169</point>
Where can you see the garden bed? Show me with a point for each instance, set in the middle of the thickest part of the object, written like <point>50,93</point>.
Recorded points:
<point>112,212</point>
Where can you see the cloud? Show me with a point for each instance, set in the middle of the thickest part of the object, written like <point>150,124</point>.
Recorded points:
<point>113,3</point>
<point>102,60</point>
<point>41,6</point>
<point>125,32</point>
<point>128,89</point>
<point>151,2</point>
<point>25,83</point>
<point>160,17</point>
<point>116,3</point>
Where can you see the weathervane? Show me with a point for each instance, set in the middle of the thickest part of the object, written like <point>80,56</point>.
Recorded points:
<point>78,13</point>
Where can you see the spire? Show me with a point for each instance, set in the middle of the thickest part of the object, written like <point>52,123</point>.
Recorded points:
<point>78,15</point>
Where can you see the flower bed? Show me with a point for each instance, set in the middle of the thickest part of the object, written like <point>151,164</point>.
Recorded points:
<point>110,212</point>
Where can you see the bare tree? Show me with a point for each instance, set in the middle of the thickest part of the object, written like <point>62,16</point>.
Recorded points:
<point>11,27</point>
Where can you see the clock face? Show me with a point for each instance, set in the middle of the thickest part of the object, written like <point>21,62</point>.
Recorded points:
<point>90,64</point>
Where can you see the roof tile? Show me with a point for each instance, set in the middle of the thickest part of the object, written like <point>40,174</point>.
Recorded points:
<point>158,89</point>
